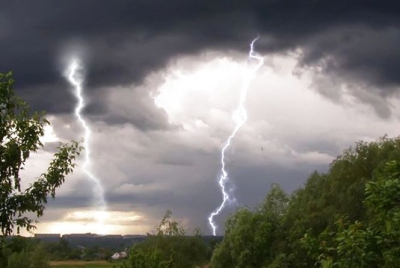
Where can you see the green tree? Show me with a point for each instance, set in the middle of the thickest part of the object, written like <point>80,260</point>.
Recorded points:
<point>372,243</point>
<point>20,133</point>
<point>253,238</point>
<point>19,243</point>
<point>339,193</point>
<point>17,246</point>
<point>24,252</point>
<point>169,247</point>
<point>346,217</point>
<point>39,257</point>
<point>18,260</point>
<point>59,250</point>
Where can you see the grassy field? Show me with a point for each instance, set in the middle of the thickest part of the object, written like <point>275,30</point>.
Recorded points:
<point>83,264</point>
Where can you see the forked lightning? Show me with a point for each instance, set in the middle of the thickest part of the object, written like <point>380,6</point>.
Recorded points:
<point>239,116</point>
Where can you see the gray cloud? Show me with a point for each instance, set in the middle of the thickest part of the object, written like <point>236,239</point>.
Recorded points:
<point>125,41</point>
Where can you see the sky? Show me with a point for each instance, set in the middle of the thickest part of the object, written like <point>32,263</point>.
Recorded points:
<point>162,79</point>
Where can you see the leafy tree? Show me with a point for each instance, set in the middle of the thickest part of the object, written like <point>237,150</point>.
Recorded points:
<point>346,217</point>
<point>339,193</point>
<point>20,133</point>
<point>17,246</point>
<point>252,238</point>
<point>18,260</point>
<point>24,252</point>
<point>39,257</point>
<point>373,243</point>
<point>59,250</point>
<point>169,247</point>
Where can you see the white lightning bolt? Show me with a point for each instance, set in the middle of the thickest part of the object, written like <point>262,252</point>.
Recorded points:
<point>75,78</point>
<point>239,116</point>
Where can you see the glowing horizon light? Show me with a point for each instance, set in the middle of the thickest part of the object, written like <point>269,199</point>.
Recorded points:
<point>239,117</point>
<point>75,78</point>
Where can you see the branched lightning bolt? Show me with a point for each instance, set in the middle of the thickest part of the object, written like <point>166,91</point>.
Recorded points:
<point>75,78</point>
<point>239,116</point>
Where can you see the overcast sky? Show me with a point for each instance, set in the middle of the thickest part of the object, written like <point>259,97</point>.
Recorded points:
<point>162,79</point>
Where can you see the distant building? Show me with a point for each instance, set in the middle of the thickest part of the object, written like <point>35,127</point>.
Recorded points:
<point>115,256</point>
<point>81,235</point>
<point>48,237</point>
<point>113,236</point>
<point>119,255</point>
<point>123,254</point>
<point>134,236</point>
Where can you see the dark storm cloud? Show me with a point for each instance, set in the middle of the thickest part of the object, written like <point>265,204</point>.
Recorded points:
<point>125,40</point>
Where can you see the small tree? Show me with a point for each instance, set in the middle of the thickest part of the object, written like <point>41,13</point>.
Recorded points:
<point>169,247</point>
<point>18,260</point>
<point>252,237</point>
<point>20,133</point>
<point>39,257</point>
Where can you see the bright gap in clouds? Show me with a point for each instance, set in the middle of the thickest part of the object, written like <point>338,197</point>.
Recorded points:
<point>284,108</point>
<point>211,84</point>
<point>87,221</point>
<point>49,135</point>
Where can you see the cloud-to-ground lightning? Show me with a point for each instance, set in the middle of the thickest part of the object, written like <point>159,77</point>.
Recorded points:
<point>239,117</point>
<point>75,78</point>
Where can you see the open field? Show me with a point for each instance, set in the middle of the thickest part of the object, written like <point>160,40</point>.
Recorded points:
<point>83,264</point>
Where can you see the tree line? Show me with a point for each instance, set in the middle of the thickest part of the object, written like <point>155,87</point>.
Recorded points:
<point>346,217</point>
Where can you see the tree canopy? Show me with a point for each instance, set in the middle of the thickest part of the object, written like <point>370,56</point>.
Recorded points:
<point>169,247</point>
<point>346,217</point>
<point>20,136</point>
